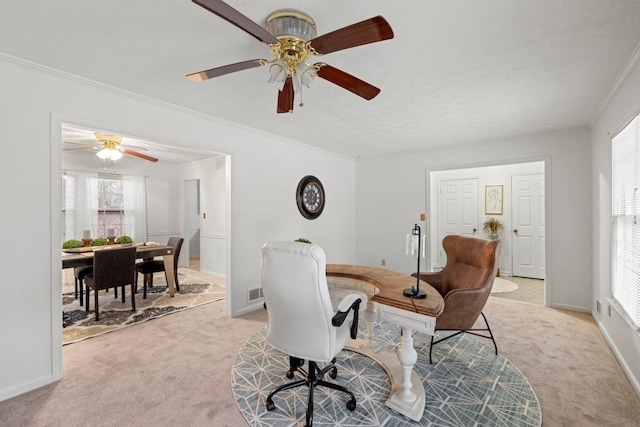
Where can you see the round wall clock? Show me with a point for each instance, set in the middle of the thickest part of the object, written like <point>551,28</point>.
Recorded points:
<point>310,197</point>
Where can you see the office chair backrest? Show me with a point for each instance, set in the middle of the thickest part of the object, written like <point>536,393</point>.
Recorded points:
<point>295,290</point>
<point>114,267</point>
<point>471,263</point>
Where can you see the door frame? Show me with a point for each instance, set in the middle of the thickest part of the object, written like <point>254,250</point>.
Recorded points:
<point>431,187</point>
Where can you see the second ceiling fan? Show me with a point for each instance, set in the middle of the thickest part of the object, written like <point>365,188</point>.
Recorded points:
<point>291,36</point>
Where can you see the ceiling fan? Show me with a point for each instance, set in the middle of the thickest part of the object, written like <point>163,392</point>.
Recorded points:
<point>111,147</point>
<point>291,36</point>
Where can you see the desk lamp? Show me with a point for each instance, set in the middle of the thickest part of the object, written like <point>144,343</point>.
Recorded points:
<point>415,292</point>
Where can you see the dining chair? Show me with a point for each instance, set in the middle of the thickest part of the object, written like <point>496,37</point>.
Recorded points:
<point>112,267</point>
<point>79,274</point>
<point>150,266</point>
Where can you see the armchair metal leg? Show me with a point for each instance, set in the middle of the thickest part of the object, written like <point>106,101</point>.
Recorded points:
<point>465,331</point>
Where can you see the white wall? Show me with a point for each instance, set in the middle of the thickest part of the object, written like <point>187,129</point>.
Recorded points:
<point>489,175</point>
<point>622,338</point>
<point>264,173</point>
<point>391,195</point>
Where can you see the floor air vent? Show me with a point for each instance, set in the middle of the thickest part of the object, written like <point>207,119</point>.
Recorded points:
<point>255,294</point>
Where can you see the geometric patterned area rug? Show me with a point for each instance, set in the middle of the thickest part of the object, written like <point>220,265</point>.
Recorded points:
<point>467,385</point>
<point>79,324</point>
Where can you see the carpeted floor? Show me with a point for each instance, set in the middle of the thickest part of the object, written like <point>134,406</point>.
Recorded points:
<point>177,371</point>
<point>78,324</point>
<point>468,385</point>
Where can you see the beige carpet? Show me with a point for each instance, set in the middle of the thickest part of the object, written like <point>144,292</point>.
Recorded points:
<point>501,285</point>
<point>176,371</point>
<point>78,324</point>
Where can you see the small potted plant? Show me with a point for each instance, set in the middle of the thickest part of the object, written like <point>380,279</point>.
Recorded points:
<point>124,240</point>
<point>72,244</point>
<point>302,240</point>
<point>493,227</point>
<point>100,241</point>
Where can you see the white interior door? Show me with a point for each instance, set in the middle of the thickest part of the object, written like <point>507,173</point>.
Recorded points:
<point>527,209</point>
<point>457,210</point>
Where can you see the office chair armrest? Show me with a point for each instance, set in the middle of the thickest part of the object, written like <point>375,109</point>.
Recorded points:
<point>350,302</point>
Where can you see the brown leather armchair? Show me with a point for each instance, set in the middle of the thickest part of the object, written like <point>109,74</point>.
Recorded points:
<point>465,284</point>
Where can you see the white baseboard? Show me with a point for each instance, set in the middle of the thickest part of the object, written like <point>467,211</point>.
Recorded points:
<point>19,389</point>
<point>572,308</point>
<point>249,309</point>
<point>625,367</point>
<point>212,273</point>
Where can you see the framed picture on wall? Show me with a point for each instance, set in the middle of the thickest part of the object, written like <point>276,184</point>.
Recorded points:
<point>493,199</point>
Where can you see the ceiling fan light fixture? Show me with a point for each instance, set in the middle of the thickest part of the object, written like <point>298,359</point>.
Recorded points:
<point>291,23</point>
<point>112,148</point>
<point>278,73</point>
<point>109,154</point>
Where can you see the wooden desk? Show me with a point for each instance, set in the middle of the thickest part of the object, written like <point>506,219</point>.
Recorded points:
<point>84,256</point>
<point>386,301</point>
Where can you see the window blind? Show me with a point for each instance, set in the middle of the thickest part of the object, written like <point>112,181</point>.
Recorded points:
<point>625,253</point>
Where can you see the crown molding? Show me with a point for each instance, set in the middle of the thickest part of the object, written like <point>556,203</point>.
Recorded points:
<point>620,80</point>
<point>63,75</point>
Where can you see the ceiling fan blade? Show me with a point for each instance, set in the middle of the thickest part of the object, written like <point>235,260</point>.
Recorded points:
<point>370,30</point>
<point>142,156</point>
<point>347,81</point>
<point>227,69</point>
<point>285,97</point>
<point>234,17</point>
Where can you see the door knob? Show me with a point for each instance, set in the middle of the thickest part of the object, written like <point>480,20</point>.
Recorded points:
<point>475,229</point>
<point>515,230</point>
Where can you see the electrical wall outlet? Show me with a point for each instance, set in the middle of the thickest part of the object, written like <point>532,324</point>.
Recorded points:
<point>609,307</point>
<point>383,262</point>
<point>423,217</point>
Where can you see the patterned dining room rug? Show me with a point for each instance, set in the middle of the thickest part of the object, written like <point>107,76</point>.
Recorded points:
<point>79,325</point>
<point>468,385</point>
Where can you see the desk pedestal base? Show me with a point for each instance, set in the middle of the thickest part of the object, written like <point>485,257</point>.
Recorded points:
<point>408,402</point>
<point>407,391</point>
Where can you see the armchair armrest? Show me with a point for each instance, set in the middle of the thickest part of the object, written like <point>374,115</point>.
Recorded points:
<point>434,279</point>
<point>350,302</point>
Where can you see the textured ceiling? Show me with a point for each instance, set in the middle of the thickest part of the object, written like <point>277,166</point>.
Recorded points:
<point>456,71</point>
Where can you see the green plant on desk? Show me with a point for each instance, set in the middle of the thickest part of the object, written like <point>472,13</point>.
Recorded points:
<point>302,240</point>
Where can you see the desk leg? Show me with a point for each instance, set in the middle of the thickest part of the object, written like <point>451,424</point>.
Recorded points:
<point>407,396</point>
<point>168,268</point>
<point>408,357</point>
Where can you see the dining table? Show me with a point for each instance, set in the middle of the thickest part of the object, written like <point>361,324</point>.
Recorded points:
<point>79,257</point>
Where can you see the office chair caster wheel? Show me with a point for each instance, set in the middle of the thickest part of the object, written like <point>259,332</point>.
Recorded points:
<point>271,406</point>
<point>351,405</point>
<point>333,373</point>
<point>289,374</point>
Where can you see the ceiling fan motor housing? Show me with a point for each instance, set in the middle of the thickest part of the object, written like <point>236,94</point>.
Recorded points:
<point>293,29</point>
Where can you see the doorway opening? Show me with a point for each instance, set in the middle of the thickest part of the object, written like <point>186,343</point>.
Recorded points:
<point>461,200</point>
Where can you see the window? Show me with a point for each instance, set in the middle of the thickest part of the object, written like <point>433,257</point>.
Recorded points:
<point>110,205</point>
<point>625,234</point>
<point>98,202</point>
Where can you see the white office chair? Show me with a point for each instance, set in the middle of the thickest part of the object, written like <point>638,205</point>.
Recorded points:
<point>302,323</point>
